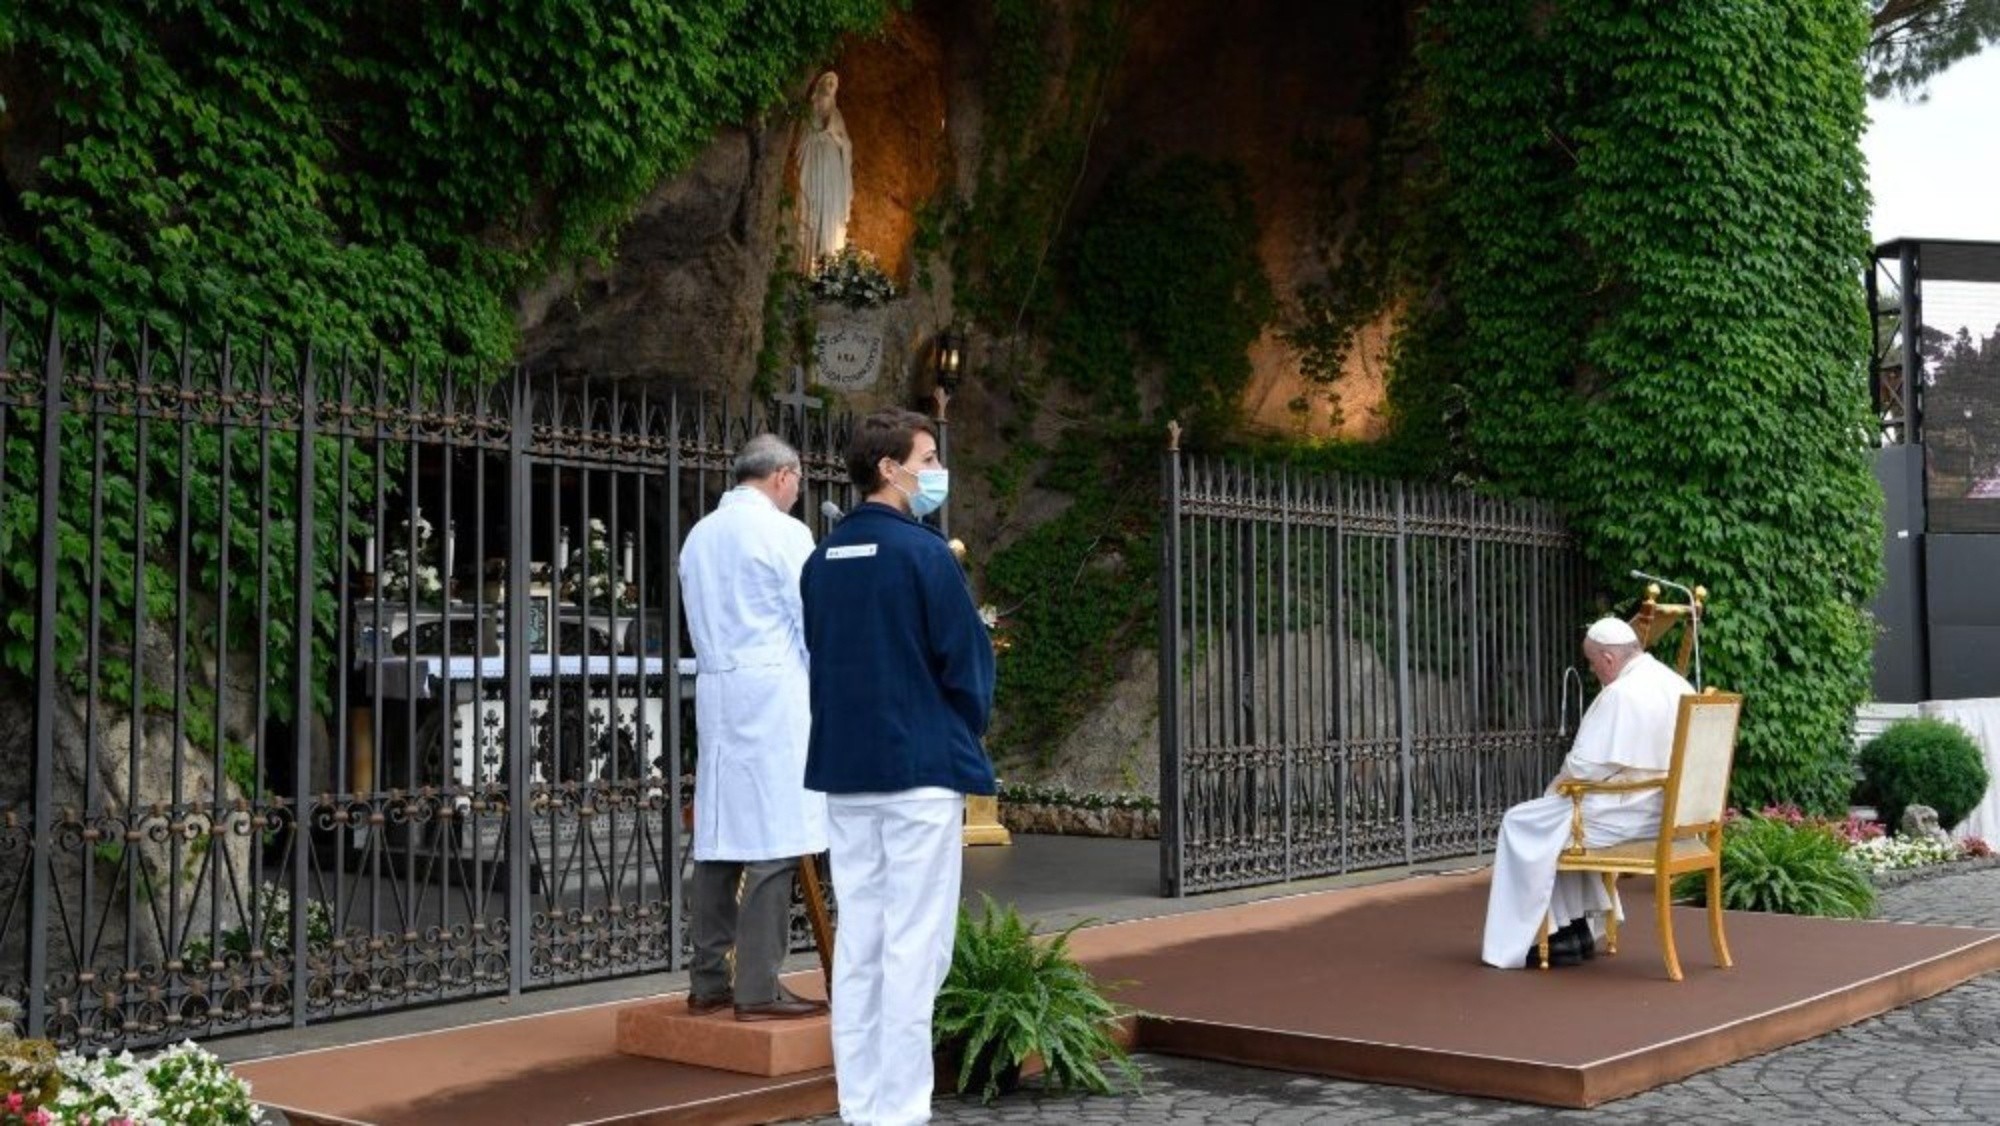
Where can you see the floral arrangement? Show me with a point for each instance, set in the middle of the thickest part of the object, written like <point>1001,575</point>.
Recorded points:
<point>274,907</point>
<point>1887,854</point>
<point>1871,846</point>
<point>605,582</point>
<point>401,569</point>
<point>851,277</point>
<point>996,626</point>
<point>1015,793</point>
<point>182,1086</point>
<point>1854,830</point>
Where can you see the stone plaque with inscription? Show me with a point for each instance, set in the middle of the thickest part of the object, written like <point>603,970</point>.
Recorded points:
<point>847,355</point>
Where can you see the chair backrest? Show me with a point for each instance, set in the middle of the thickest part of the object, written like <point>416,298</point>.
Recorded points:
<point>1704,751</point>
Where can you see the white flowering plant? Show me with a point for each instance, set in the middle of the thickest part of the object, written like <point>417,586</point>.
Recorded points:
<point>1886,854</point>
<point>402,569</point>
<point>851,277</point>
<point>274,909</point>
<point>182,1086</point>
<point>604,584</point>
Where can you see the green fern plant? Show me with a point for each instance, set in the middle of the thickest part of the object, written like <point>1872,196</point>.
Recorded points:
<point>1012,993</point>
<point>1770,865</point>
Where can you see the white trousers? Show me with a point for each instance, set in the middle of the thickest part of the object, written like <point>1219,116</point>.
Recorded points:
<point>896,869</point>
<point>1526,887</point>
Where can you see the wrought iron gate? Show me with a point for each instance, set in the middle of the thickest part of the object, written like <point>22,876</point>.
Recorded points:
<point>332,690</point>
<point>1354,673</point>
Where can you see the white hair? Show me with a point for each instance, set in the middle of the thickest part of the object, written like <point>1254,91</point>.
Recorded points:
<point>762,456</point>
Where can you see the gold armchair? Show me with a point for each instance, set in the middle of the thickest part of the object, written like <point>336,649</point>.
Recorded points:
<point>1696,790</point>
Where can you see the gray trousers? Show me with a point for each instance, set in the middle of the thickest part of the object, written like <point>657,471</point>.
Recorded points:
<point>745,905</point>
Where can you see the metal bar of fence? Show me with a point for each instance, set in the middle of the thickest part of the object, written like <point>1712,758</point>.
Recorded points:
<point>42,816</point>
<point>1404,718</point>
<point>302,635</point>
<point>1282,605</point>
<point>93,631</point>
<point>1173,742</point>
<point>676,908</point>
<point>518,906</point>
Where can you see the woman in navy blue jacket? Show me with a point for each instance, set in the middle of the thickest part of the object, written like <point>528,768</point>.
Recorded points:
<point>902,687</point>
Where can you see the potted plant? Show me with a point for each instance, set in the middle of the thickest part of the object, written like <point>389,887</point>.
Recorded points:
<point>1013,993</point>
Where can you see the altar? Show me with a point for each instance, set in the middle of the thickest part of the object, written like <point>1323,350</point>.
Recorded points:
<point>589,717</point>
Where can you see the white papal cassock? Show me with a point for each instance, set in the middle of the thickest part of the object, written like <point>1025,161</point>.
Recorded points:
<point>1626,735</point>
<point>751,706</point>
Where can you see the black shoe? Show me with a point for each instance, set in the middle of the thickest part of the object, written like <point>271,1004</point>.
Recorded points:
<point>1578,932</point>
<point>1564,950</point>
<point>702,1006</point>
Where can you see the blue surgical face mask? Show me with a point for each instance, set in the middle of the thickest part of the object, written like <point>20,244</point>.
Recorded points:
<point>933,485</point>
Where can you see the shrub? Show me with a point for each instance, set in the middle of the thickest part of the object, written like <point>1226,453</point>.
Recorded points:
<point>1769,865</point>
<point>1923,762</point>
<point>1010,994</point>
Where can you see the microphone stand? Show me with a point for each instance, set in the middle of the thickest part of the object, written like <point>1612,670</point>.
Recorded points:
<point>1694,616</point>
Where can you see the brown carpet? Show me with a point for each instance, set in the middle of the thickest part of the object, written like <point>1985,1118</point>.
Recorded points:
<point>1380,984</point>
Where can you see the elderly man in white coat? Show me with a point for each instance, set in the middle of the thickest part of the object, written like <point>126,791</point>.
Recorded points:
<point>753,816</point>
<point>1626,735</point>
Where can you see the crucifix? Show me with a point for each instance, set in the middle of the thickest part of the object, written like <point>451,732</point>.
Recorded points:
<point>796,399</point>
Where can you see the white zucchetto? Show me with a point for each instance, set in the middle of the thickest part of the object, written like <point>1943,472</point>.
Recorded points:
<point>1611,631</point>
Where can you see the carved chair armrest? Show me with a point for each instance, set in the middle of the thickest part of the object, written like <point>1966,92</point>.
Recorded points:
<point>1576,789</point>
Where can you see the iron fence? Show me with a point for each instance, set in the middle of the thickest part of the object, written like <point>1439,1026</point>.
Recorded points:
<point>1355,673</point>
<point>329,689</point>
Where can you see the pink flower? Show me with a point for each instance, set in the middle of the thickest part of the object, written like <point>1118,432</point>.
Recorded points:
<point>15,1102</point>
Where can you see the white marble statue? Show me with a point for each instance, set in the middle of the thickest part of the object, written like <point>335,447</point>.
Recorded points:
<point>826,176</point>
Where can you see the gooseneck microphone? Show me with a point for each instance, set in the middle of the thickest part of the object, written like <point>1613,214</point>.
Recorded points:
<point>1694,616</point>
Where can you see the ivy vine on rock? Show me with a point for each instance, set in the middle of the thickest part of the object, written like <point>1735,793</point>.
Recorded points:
<point>1649,225</point>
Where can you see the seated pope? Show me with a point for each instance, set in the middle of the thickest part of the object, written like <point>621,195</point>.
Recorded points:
<point>1627,735</point>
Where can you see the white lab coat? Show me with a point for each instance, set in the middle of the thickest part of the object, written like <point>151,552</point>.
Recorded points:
<point>1627,734</point>
<point>739,573</point>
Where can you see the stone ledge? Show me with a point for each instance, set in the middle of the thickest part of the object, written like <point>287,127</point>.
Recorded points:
<point>1081,821</point>
<point>1897,877</point>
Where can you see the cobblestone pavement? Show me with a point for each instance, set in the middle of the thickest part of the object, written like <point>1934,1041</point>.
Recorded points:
<point>1937,1060</point>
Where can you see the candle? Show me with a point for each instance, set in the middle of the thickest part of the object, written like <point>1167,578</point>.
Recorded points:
<point>450,547</point>
<point>562,549</point>
<point>368,555</point>
<point>629,572</point>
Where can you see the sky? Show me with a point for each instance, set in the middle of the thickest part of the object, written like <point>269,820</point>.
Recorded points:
<point>1934,166</point>
<point>1934,172</point>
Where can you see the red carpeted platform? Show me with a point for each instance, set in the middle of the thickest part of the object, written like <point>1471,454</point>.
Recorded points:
<point>1379,984</point>
<point>1383,985</point>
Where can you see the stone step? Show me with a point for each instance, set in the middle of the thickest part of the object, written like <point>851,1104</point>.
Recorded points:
<point>665,1030</point>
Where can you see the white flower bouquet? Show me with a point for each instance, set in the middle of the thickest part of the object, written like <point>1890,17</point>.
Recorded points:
<point>402,569</point>
<point>852,278</point>
<point>593,578</point>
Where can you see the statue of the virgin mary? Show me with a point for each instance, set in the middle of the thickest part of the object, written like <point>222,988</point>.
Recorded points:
<point>826,176</point>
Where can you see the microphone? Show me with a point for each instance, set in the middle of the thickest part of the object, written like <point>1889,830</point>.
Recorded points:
<point>831,512</point>
<point>1694,616</point>
<point>1668,583</point>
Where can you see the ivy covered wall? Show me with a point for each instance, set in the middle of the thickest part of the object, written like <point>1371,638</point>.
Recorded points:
<point>364,176</point>
<point>1647,230</point>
